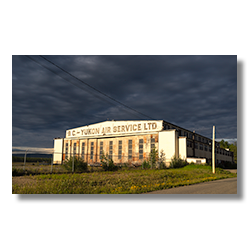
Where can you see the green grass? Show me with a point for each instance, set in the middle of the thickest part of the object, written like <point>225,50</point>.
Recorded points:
<point>124,181</point>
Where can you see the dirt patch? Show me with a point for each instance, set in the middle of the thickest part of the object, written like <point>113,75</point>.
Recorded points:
<point>23,180</point>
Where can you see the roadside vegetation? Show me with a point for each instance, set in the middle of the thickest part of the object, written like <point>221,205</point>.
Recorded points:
<point>75,176</point>
<point>125,180</point>
<point>75,164</point>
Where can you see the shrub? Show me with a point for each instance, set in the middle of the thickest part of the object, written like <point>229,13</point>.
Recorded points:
<point>154,161</point>
<point>227,165</point>
<point>177,162</point>
<point>145,165</point>
<point>17,172</point>
<point>161,161</point>
<point>79,164</point>
<point>153,158</point>
<point>108,164</point>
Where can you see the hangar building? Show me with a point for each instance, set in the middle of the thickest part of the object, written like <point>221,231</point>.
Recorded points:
<point>132,142</point>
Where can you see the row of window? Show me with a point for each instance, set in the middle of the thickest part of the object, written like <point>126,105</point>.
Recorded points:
<point>189,144</point>
<point>206,148</point>
<point>141,149</point>
<point>202,147</point>
<point>130,149</point>
<point>189,135</point>
<point>120,150</point>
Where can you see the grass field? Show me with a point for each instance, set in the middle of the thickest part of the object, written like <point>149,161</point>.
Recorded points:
<point>42,168</point>
<point>123,181</point>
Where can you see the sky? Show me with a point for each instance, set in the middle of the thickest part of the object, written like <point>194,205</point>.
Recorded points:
<point>193,92</point>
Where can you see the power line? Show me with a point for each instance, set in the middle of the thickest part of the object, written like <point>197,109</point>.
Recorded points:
<point>67,79</point>
<point>79,86</point>
<point>95,88</point>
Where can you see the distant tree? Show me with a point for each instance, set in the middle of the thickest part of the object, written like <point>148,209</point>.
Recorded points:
<point>224,144</point>
<point>232,148</point>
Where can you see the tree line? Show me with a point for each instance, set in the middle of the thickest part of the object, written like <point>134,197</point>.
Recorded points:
<point>30,159</point>
<point>232,147</point>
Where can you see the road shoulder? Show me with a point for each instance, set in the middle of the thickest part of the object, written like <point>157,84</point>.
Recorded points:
<point>224,186</point>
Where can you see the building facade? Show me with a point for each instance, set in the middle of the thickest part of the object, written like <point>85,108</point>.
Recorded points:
<point>133,141</point>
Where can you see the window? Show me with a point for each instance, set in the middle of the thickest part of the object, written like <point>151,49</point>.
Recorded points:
<point>74,150</point>
<point>205,147</point>
<point>129,149</point>
<point>66,150</point>
<point>195,137</point>
<point>152,144</point>
<point>210,149</point>
<point>190,136</point>
<point>119,150</point>
<point>83,149</point>
<point>201,147</point>
<point>199,139</point>
<point>141,149</point>
<point>180,132</point>
<point>110,149</point>
<point>189,144</point>
<point>185,134</point>
<point>196,145</point>
<point>92,151</point>
<point>101,150</point>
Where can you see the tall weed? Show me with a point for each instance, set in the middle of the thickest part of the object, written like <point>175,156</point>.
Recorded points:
<point>177,162</point>
<point>79,164</point>
<point>107,163</point>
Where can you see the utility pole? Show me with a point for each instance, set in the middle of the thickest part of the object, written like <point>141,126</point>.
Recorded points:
<point>73,167</point>
<point>52,162</point>
<point>213,151</point>
<point>24,160</point>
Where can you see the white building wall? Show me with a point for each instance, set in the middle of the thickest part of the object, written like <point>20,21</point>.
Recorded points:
<point>183,148</point>
<point>168,142</point>
<point>196,160</point>
<point>58,149</point>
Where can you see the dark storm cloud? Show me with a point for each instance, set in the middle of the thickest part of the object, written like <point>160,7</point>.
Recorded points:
<point>194,92</point>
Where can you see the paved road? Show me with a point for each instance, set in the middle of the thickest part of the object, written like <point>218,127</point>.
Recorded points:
<point>225,186</point>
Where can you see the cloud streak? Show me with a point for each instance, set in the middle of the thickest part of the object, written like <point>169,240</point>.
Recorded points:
<point>194,92</point>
